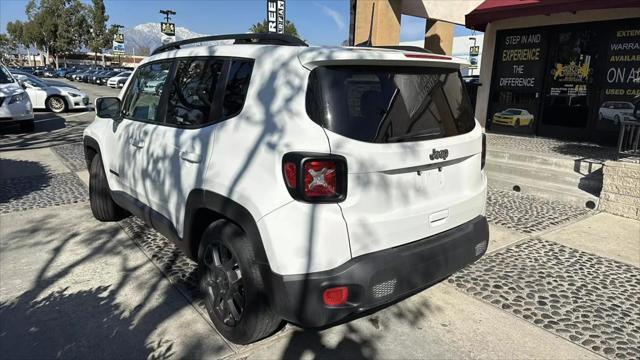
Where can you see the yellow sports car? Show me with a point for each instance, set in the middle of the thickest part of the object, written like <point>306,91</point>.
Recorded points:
<point>513,117</point>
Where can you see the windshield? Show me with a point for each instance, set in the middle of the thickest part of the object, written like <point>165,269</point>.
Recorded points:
<point>389,104</point>
<point>34,81</point>
<point>5,76</point>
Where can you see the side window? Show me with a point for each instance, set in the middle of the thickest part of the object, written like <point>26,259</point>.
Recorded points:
<point>236,88</point>
<point>192,91</point>
<point>143,95</point>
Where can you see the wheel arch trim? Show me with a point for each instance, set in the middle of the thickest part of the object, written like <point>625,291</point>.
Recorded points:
<point>200,199</point>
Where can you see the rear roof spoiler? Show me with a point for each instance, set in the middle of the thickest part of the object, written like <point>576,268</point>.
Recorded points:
<point>260,39</point>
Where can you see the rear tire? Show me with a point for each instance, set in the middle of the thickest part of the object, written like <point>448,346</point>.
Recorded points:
<point>102,205</point>
<point>27,126</point>
<point>228,273</point>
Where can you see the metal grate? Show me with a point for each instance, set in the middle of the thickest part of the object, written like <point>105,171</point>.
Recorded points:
<point>384,288</point>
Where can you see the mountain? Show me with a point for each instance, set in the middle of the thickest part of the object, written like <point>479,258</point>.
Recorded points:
<point>149,36</point>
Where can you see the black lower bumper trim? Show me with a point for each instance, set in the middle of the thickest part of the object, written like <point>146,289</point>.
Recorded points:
<point>379,278</point>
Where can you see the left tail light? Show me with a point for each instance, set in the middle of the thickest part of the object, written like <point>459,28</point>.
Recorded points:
<point>315,178</point>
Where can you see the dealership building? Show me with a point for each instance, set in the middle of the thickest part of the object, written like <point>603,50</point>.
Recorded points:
<point>567,69</point>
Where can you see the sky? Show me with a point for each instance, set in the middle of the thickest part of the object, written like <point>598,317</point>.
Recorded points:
<point>321,22</point>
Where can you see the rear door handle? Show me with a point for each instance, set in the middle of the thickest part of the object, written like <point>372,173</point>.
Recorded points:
<point>190,157</point>
<point>137,143</point>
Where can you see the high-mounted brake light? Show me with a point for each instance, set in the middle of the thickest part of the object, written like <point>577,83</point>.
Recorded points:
<point>428,56</point>
<point>313,177</point>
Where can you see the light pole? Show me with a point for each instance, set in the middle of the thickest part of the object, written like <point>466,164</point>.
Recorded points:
<point>167,13</point>
<point>118,27</point>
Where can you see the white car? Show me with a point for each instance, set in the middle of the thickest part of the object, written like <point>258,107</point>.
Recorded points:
<point>616,111</point>
<point>311,184</point>
<point>54,98</point>
<point>119,80</point>
<point>15,105</point>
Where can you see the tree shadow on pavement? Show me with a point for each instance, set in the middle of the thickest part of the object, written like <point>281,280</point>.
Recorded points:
<point>55,131</point>
<point>122,314</point>
<point>16,187</point>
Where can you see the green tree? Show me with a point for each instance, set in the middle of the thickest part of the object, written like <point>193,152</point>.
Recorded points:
<point>53,26</point>
<point>8,47</point>
<point>263,27</point>
<point>99,37</point>
<point>23,34</point>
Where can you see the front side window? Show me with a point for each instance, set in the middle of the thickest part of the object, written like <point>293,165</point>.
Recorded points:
<point>192,92</point>
<point>143,95</point>
<point>237,86</point>
<point>389,104</point>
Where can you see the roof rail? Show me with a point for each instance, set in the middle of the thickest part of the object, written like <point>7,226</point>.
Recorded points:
<point>260,38</point>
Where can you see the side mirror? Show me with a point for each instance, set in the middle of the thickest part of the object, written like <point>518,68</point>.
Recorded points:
<point>108,107</point>
<point>22,84</point>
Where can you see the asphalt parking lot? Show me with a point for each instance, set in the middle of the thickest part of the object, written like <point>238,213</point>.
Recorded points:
<point>557,282</point>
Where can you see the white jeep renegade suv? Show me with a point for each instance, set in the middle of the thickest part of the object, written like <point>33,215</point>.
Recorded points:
<point>310,183</point>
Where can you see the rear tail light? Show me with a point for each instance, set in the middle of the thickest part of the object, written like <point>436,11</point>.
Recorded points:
<point>336,296</point>
<point>314,177</point>
<point>484,151</point>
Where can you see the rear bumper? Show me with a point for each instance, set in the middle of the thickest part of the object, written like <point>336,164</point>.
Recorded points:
<point>379,278</point>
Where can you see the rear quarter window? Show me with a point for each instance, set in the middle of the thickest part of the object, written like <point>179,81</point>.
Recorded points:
<point>389,104</point>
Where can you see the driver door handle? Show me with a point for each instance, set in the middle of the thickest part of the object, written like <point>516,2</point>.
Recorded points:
<point>190,157</point>
<point>137,143</point>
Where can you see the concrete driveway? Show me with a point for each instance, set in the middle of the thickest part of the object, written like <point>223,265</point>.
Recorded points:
<point>563,286</point>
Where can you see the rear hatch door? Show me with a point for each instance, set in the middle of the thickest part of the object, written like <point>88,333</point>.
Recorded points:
<point>412,145</point>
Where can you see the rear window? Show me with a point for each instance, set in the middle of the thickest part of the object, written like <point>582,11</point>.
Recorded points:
<point>384,104</point>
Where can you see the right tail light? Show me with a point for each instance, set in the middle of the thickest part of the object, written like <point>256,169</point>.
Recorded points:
<point>315,178</point>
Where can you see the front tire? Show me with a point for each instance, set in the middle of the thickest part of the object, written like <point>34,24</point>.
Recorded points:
<point>102,205</point>
<point>57,104</point>
<point>232,284</point>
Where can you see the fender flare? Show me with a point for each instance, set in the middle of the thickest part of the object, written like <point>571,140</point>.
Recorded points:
<point>204,199</point>
<point>92,143</point>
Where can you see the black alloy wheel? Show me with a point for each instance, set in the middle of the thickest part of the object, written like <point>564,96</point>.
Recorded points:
<point>223,284</point>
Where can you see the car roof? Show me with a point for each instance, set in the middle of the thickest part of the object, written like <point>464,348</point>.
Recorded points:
<point>313,56</point>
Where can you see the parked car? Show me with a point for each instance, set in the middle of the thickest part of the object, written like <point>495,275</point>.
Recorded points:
<point>616,111</point>
<point>513,117</point>
<point>38,71</point>
<point>77,76</point>
<point>102,77</point>
<point>15,105</point>
<point>119,80</point>
<point>54,98</point>
<point>310,184</point>
<point>49,73</point>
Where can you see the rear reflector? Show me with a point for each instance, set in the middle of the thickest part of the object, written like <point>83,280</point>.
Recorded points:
<point>290,174</point>
<point>428,56</point>
<point>336,296</point>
